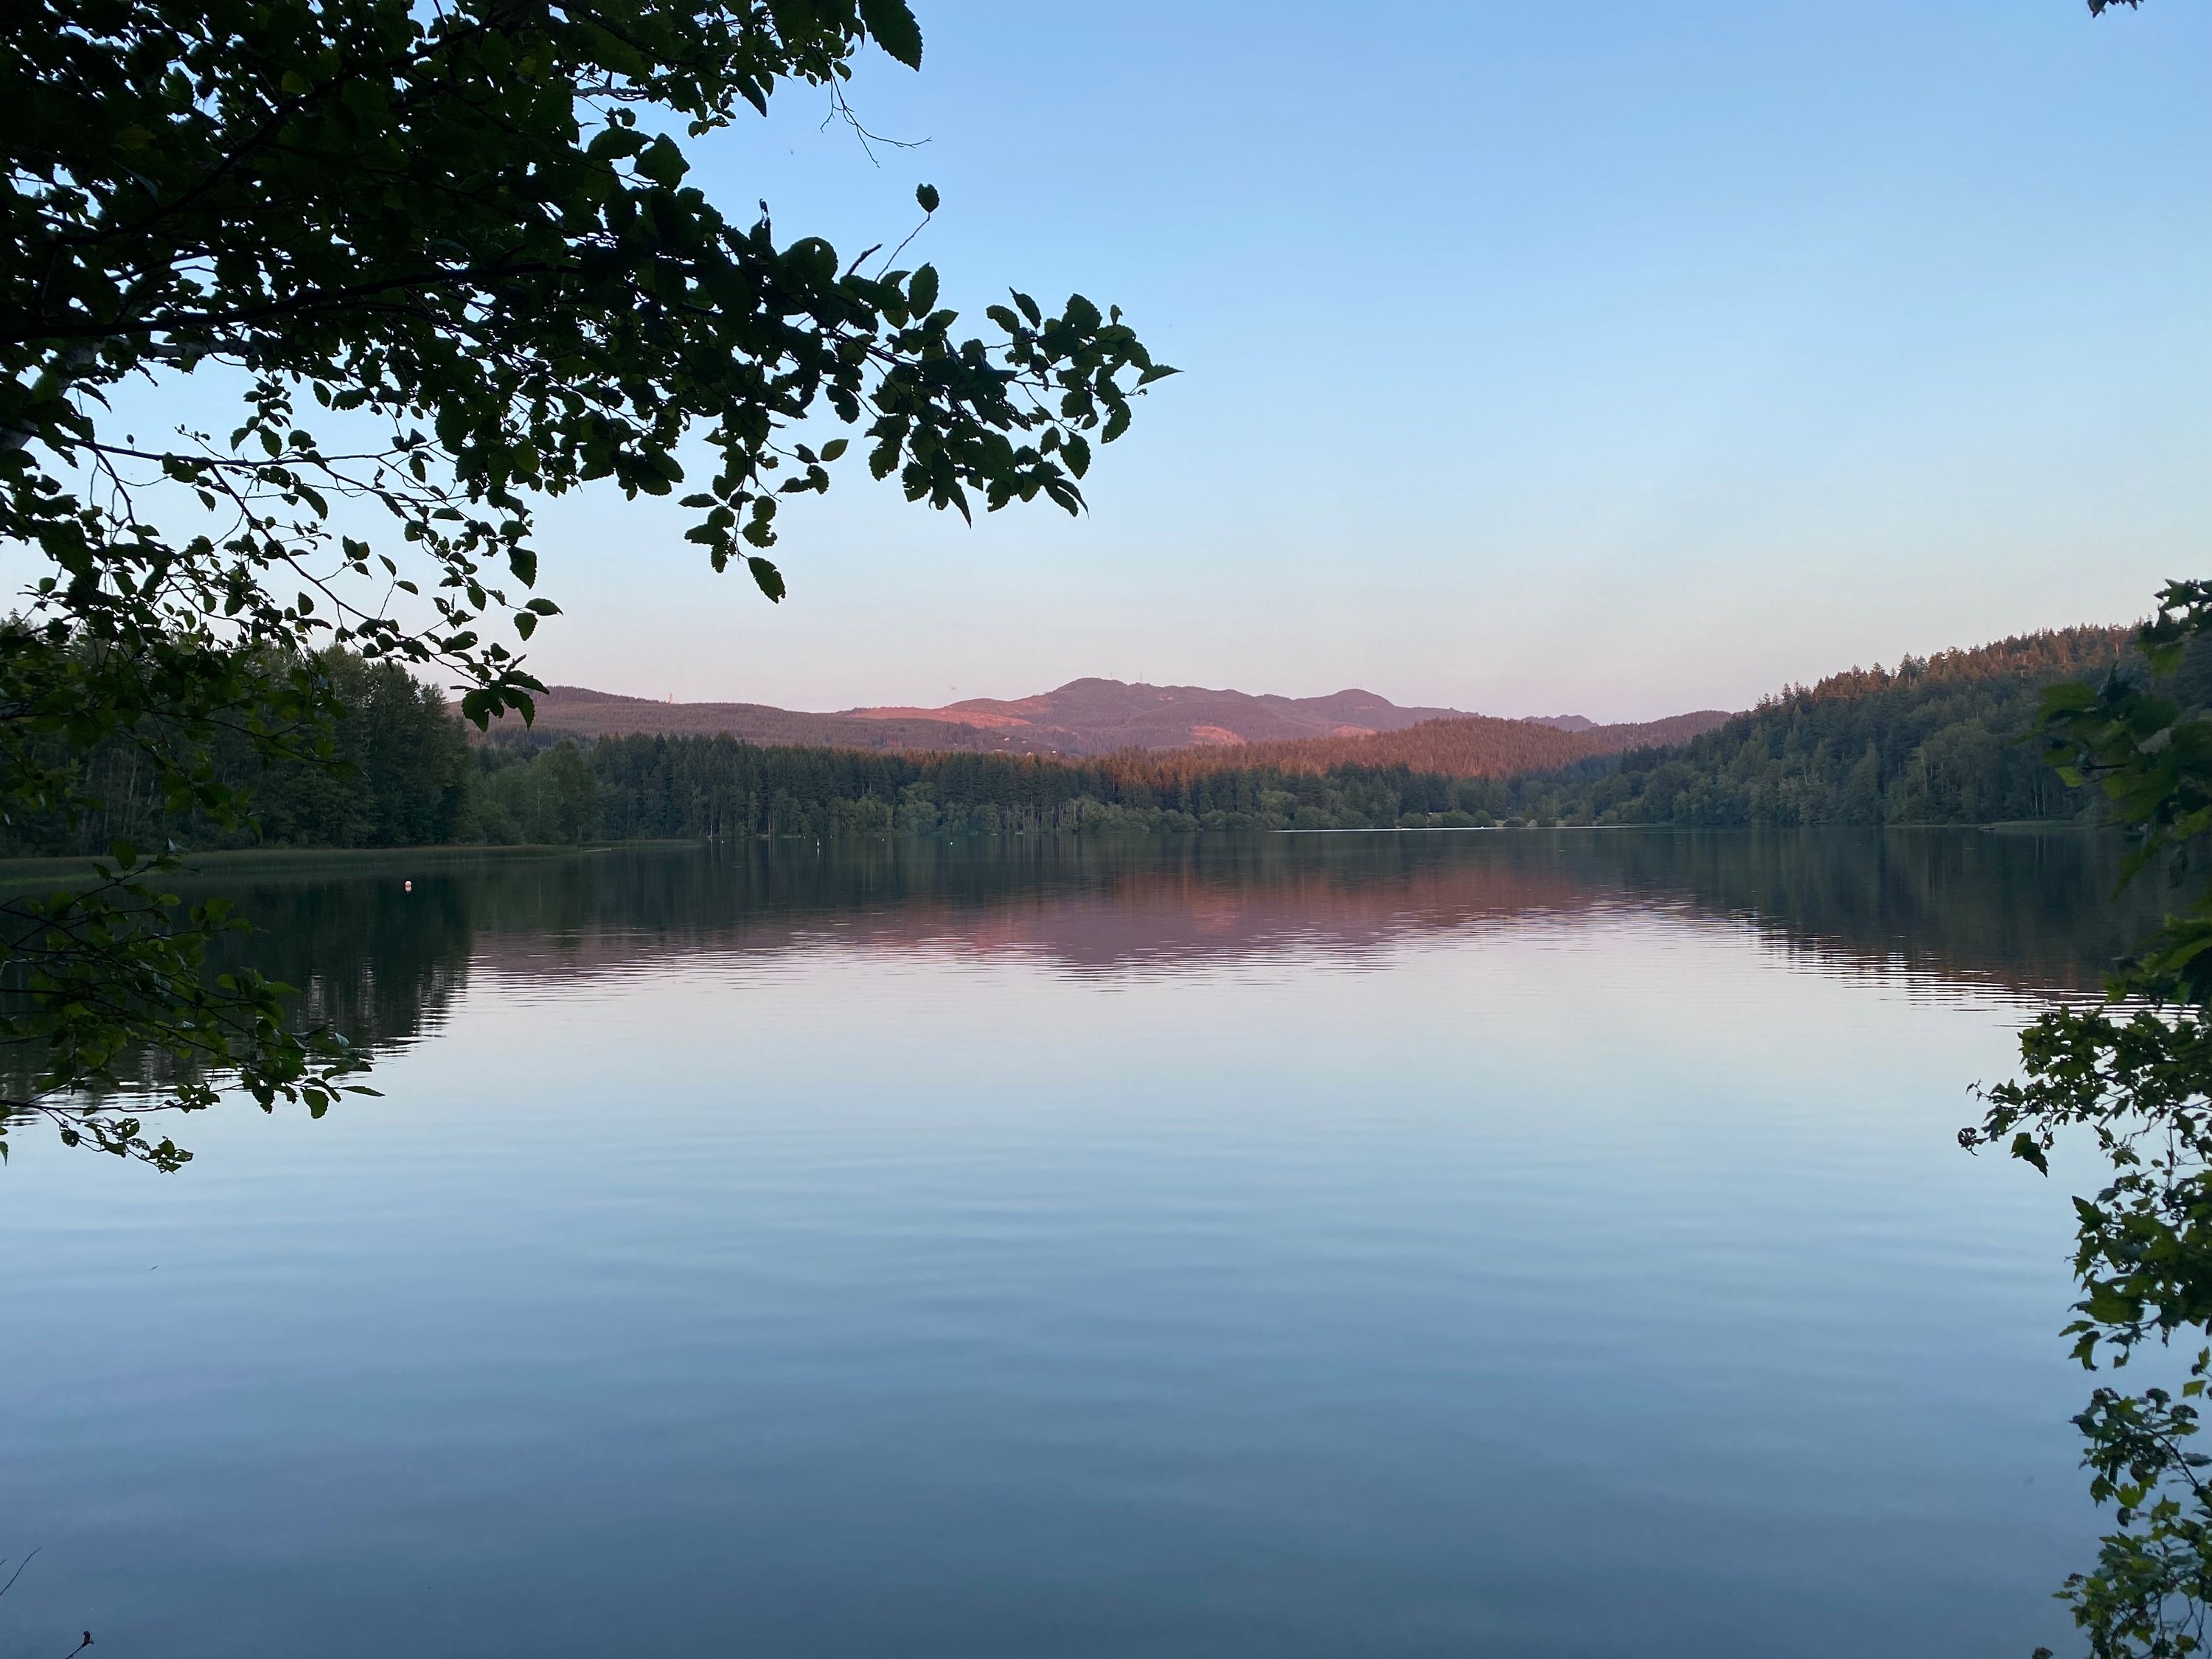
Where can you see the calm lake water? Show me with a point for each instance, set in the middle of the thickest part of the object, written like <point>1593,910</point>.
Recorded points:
<point>1543,1243</point>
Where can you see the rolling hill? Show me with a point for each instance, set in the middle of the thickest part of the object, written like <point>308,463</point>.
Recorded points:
<point>1099,716</point>
<point>1463,746</point>
<point>1189,728</point>
<point>576,711</point>
<point>1084,717</point>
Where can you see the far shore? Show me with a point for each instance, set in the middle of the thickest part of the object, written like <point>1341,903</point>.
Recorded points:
<point>17,873</point>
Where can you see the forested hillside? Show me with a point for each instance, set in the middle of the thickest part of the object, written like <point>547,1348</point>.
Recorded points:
<point>1464,746</point>
<point>1936,740</point>
<point>1083,718</point>
<point>1932,741</point>
<point>400,773</point>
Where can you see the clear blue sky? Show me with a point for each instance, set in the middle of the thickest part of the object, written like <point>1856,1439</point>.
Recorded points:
<point>1609,358</point>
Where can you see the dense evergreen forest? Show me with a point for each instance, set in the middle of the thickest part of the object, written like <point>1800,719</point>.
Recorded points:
<point>400,773</point>
<point>1935,740</point>
<point>1463,746</point>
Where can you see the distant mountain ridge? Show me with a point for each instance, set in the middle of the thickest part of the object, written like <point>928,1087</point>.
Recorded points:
<point>1084,717</point>
<point>1099,716</point>
<point>1462,746</point>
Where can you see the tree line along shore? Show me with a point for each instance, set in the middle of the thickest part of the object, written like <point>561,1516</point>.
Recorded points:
<point>1935,740</point>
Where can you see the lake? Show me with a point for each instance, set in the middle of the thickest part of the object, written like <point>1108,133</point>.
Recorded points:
<point>1541,1243</point>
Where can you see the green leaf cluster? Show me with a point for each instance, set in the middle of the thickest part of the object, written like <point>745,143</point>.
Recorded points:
<point>2135,1074</point>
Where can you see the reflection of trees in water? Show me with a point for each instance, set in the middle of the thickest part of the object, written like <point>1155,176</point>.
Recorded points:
<point>2031,911</point>
<point>379,963</point>
<point>384,964</point>
<point>2028,912</point>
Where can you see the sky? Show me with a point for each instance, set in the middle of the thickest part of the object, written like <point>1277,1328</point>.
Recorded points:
<point>1602,358</point>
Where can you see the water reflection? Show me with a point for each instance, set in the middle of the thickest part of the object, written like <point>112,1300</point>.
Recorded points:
<point>1003,1249</point>
<point>2030,913</point>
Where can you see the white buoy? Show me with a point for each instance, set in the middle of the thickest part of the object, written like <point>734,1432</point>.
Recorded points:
<point>406,886</point>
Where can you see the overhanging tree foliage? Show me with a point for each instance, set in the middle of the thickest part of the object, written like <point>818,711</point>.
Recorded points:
<point>2136,1075</point>
<point>440,261</point>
